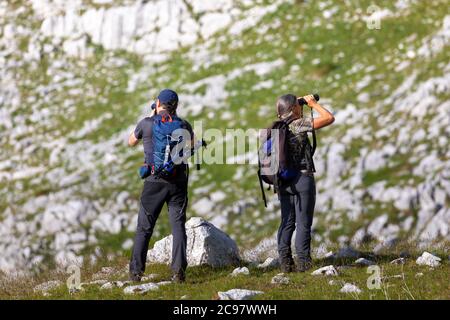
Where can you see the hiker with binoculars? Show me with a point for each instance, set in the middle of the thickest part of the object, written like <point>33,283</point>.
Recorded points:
<point>286,162</point>
<point>166,137</point>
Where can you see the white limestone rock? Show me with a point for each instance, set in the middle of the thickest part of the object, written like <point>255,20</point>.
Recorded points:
<point>326,271</point>
<point>332,282</point>
<point>398,261</point>
<point>114,284</point>
<point>149,277</point>
<point>280,279</point>
<point>47,286</point>
<point>428,259</point>
<point>386,244</point>
<point>240,271</point>
<point>364,262</point>
<point>350,288</point>
<point>206,245</point>
<point>141,288</point>
<point>377,225</point>
<point>267,248</point>
<point>269,263</point>
<point>360,237</point>
<point>105,272</point>
<point>238,294</point>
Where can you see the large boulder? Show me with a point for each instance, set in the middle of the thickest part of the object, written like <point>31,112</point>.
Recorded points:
<point>206,245</point>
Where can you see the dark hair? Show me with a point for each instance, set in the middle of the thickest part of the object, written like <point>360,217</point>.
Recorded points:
<point>172,109</point>
<point>285,105</point>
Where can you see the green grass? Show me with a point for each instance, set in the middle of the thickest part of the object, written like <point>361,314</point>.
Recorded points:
<point>103,88</point>
<point>203,283</point>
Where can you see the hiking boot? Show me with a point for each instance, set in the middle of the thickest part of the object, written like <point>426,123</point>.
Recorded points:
<point>179,277</point>
<point>303,265</point>
<point>135,277</point>
<point>287,264</point>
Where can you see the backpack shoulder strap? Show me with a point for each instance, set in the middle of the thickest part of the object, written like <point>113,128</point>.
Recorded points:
<point>261,186</point>
<point>314,145</point>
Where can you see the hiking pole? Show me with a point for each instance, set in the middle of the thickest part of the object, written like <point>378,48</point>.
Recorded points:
<point>203,144</point>
<point>168,167</point>
<point>262,188</point>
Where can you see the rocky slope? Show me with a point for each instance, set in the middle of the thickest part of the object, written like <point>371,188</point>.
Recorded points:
<point>76,76</point>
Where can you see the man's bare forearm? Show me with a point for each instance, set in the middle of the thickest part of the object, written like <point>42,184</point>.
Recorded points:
<point>132,141</point>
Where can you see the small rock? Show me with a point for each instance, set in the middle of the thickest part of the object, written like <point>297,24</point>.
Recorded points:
<point>107,286</point>
<point>149,277</point>
<point>350,288</point>
<point>269,264</point>
<point>280,279</point>
<point>419,274</point>
<point>141,288</point>
<point>428,259</point>
<point>107,270</point>
<point>360,237</point>
<point>384,245</point>
<point>238,294</point>
<point>240,271</point>
<point>364,262</point>
<point>47,286</point>
<point>74,290</point>
<point>332,282</point>
<point>114,284</point>
<point>326,271</point>
<point>104,273</point>
<point>398,261</point>
<point>95,282</point>
<point>185,297</point>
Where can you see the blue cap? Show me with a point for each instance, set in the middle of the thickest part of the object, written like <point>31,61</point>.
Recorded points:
<point>168,97</point>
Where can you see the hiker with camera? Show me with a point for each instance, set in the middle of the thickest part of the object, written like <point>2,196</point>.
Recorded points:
<point>165,136</point>
<point>286,162</point>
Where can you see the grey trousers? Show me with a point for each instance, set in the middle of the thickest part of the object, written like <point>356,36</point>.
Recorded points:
<point>153,197</point>
<point>297,209</point>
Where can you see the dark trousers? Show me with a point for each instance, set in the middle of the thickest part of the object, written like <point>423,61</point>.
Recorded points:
<point>153,197</point>
<point>297,209</point>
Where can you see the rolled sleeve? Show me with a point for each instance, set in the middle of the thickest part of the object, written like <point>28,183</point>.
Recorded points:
<point>302,125</point>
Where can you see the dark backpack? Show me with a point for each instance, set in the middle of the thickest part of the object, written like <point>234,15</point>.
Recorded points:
<point>275,162</point>
<point>162,145</point>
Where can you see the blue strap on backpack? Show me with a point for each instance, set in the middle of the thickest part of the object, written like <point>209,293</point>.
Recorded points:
<point>162,145</point>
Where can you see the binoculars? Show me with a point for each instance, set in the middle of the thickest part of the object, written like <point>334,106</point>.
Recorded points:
<point>302,101</point>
